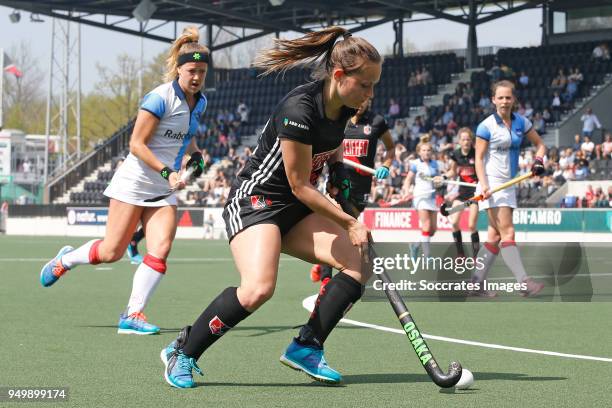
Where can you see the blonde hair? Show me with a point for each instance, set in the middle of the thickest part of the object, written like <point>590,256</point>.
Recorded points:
<point>186,43</point>
<point>424,141</point>
<point>465,130</point>
<point>349,54</point>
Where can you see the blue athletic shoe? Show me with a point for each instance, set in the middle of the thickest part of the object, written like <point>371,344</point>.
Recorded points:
<point>311,361</point>
<point>136,323</point>
<point>132,253</point>
<point>178,367</point>
<point>54,269</point>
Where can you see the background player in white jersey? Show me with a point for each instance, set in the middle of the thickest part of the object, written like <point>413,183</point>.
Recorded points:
<point>463,166</point>
<point>162,135</point>
<point>275,207</point>
<point>425,204</point>
<point>498,143</point>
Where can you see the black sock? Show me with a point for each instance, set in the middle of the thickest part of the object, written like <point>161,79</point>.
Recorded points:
<point>222,314</point>
<point>475,242</point>
<point>458,242</point>
<point>326,272</point>
<point>138,236</point>
<point>338,296</point>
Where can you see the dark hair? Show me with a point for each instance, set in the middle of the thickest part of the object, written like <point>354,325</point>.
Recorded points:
<point>349,54</point>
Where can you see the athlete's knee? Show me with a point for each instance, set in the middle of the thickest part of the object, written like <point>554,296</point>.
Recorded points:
<point>161,249</point>
<point>109,252</point>
<point>252,297</point>
<point>155,263</point>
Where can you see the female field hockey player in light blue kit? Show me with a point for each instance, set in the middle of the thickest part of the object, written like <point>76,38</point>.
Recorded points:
<point>274,205</point>
<point>421,170</point>
<point>162,135</point>
<point>498,143</point>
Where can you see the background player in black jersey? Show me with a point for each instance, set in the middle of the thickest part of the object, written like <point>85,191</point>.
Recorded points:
<point>361,136</point>
<point>274,207</point>
<point>462,165</point>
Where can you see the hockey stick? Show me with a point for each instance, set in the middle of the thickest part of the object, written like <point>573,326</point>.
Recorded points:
<point>184,177</point>
<point>453,182</point>
<point>401,311</point>
<point>358,166</point>
<point>458,208</point>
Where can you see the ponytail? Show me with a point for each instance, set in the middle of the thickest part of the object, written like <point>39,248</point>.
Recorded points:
<point>186,43</point>
<point>349,54</point>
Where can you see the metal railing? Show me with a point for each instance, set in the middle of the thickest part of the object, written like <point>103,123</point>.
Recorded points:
<point>117,143</point>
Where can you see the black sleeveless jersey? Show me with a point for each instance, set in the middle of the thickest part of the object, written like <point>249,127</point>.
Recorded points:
<point>466,170</point>
<point>299,116</point>
<point>360,141</point>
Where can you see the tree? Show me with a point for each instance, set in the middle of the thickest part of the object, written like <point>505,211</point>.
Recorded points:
<point>24,102</point>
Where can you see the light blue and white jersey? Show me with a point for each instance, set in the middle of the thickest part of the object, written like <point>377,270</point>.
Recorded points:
<point>135,181</point>
<point>502,157</point>
<point>421,168</point>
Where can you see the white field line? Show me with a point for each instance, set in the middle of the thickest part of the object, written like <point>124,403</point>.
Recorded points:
<point>309,302</point>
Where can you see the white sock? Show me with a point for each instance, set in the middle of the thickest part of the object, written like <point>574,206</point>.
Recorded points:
<point>487,257</point>
<point>79,256</point>
<point>512,258</point>
<point>425,245</point>
<point>145,281</point>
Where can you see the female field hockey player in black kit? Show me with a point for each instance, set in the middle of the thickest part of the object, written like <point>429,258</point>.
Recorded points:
<point>274,207</point>
<point>361,136</point>
<point>463,165</point>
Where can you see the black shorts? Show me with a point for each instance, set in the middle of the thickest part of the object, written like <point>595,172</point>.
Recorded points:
<point>465,193</point>
<point>283,211</point>
<point>360,191</point>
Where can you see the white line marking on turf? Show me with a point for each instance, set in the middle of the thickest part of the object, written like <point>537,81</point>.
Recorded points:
<point>171,260</point>
<point>104,268</point>
<point>309,302</point>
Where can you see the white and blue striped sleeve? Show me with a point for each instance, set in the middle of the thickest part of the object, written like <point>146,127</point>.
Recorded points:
<point>154,104</point>
<point>483,131</point>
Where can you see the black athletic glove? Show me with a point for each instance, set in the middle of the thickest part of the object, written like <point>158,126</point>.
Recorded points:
<point>197,162</point>
<point>538,167</point>
<point>339,177</point>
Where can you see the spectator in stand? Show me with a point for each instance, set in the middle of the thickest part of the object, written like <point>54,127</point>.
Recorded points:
<point>539,123</point>
<point>604,150</point>
<point>528,110</point>
<point>570,90</point>
<point>559,82</point>
<point>495,72</point>
<point>394,111</point>
<point>589,195</point>
<point>590,121</point>
<point>412,80</point>
<point>484,102</point>
<point>507,72</point>
<point>601,52</point>
<point>566,158</point>
<point>447,116</point>
<point>546,115</point>
<point>243,112</point>
<point>524,80</point>
<point>556,107</point>
<point>582,166</point>
<point>425,76</point>
<point>577,143</point>
<point>600,200</point>
<point>588,148</point>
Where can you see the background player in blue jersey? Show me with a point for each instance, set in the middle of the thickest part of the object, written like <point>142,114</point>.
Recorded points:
<point>498,143</point>
<point>425,174</point>
<point>275,207</point>
<point>361,136</point>
<point>162,135</point>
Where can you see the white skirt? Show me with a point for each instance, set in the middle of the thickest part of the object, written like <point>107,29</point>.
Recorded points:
<point>135,189</point>
<point>425,203</point>
<point>503,198</point>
